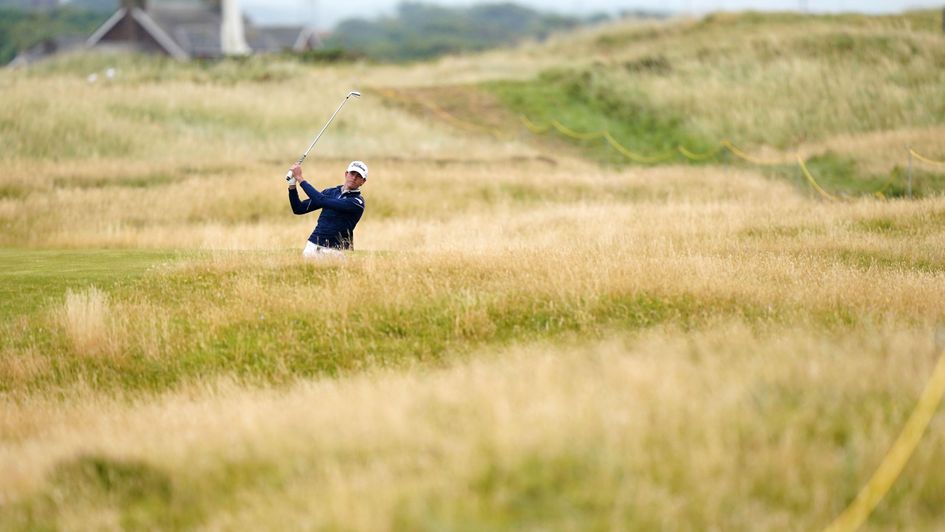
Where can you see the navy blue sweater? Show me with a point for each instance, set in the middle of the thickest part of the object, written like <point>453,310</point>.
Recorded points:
<point>340,213</point>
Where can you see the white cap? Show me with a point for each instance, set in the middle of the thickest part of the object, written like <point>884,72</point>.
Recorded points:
<point>359,167</point>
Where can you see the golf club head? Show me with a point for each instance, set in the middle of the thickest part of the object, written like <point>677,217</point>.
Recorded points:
<point>356,94</point>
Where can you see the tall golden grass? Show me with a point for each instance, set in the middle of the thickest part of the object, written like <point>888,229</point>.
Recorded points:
<point>733,426</point>
<point>85,317</point>
<point>579,346</point>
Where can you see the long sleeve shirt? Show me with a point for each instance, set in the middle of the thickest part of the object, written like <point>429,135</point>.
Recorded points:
<point>341,212</point>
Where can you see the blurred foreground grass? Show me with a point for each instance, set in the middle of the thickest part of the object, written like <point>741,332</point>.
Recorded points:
<point>737,426</point>
<point>524,338</point>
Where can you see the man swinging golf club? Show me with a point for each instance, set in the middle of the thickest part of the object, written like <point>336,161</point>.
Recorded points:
<point>341,206</point>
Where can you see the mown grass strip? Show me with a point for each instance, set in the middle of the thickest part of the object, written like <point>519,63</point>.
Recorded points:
<point>30,279</point>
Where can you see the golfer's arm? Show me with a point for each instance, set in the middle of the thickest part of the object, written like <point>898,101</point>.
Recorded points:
<point>311,191</point>
<point>299,206</point>
<point>340,205</point>
<point>319,200</point>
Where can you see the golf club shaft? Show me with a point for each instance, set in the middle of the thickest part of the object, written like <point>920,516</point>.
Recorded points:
<point>288,176</point>
<point>312,145</point>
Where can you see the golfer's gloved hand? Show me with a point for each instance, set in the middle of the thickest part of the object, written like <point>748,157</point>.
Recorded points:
<point>296,173</point>
<point>290,179</point>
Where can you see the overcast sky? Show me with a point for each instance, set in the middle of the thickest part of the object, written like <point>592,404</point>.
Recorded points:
<point>327,13</point>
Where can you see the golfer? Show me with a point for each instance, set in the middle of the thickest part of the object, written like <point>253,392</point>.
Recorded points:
<point>341,206</point>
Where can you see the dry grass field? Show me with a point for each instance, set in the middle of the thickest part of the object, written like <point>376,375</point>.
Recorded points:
<point>532,333</point>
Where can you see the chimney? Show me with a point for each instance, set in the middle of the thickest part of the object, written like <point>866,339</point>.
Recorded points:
<point>130,4</point>
<point>232,36</point>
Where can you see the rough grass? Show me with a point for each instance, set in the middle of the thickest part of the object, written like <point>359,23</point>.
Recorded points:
<point>737,427</point>
<point>849,93</point>
<point>266,317</point>
<point>523,339</point>
<point>591,101</point>
<point>844,177</point>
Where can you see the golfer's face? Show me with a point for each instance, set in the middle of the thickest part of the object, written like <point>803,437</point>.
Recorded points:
<point>353,179</point>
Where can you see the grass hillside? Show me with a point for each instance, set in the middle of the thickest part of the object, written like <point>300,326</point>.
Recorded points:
<point>833,88</point>
<point>533,332</point>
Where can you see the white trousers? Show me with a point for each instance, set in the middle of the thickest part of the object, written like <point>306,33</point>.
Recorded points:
<point>316,252</point>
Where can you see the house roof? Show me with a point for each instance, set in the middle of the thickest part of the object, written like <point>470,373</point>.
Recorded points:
<point>144,21</point>
<point>282,38</point>
<point>195,28</point>
<point>308,35</point>
<point>185,30</point>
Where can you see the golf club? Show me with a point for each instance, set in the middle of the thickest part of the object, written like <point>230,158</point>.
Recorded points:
<point>356,94</point>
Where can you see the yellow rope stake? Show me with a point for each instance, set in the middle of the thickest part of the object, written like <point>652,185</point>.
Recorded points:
<point>890,468</point>
<point>925,159</point>
<point>742,155</point>
<point>810,179</point>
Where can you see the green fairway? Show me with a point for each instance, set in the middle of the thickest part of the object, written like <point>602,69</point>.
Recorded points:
<point>30,278</point>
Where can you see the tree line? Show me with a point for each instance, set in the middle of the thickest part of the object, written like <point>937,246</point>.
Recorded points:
<point>22,28</point>
<point>421,31</point>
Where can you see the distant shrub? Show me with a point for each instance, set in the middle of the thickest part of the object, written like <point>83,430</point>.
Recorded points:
<point>327,55</point>
<point>21,29</point>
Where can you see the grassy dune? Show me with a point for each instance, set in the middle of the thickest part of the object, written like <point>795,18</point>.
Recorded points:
<point>531,333</point>
<point>849,92</point>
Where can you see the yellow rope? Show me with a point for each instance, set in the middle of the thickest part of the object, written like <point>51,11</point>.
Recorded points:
<point>635,156</point>
<point>614,143</point>
<point>924,159</point>
<point>879,193</point>
<point>699,156</point>
<point>649,159</point>
<point>725,144</point>
<point>742,155</point>
<point>574,134</point>
<point>533,127</point>
<point>565,130</point>
<point>812,181</point>
<point>895,460</point>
